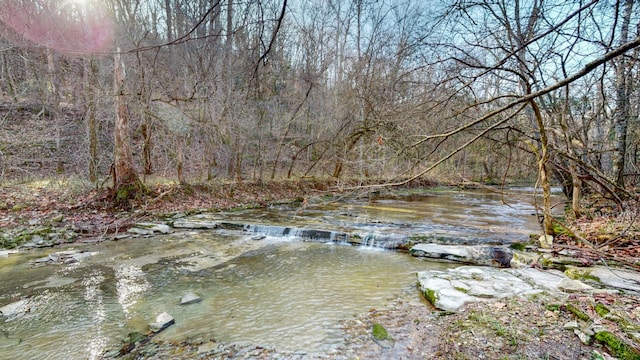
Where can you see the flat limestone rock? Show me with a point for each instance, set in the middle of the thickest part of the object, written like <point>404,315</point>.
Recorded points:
<point>158,228</point>
<point>602,276</point>
<point>546,279</point>
<point>163,321</point>
<point>450,290</point>
<point>573,286</point>
<point>140,231</point>
<point>195,223</point>
<point>498,256</point>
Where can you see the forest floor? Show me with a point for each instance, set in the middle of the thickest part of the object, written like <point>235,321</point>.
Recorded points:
<point>534,328</point>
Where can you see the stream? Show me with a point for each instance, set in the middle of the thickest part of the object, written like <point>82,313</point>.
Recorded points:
<point>265,284</point>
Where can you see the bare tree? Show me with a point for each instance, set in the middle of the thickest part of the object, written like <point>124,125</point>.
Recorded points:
<point>125,179</point>
<point>623,88</point>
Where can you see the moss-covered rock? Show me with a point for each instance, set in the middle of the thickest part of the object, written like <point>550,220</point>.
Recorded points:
<point>431,296</point>
<point>601,309</point>
<point>381,336</point>
<point>577,312</point>
<point>617,346</point>
<point>582,274</point>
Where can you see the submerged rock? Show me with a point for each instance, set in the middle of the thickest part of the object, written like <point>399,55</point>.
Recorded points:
<point>163,321</point>
<point>63,257</point>
<point>477,255</point>
<point>15,308</point>
<point>190,298</point>
<point>382,337</point>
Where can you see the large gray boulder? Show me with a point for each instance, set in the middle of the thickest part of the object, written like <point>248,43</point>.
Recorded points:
<point>498,256</point>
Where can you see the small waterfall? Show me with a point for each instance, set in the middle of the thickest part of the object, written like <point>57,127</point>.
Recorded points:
<point>369,241</point>
<point>292,232</point>
<point>390,241</point>
<point>270,230</point>
<point>340,238</point>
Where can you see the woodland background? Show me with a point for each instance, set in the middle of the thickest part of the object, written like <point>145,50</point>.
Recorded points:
<point>483,90</point>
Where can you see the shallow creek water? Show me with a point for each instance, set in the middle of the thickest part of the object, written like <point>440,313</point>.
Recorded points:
<point>278,291</point>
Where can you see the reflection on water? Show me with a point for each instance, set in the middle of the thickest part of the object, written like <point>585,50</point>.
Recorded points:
<point>278,291</point>
<point>130,285</point>
<point>96,341</point>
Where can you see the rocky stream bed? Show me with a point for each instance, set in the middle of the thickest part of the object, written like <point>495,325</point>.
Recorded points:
<point>507,299</point>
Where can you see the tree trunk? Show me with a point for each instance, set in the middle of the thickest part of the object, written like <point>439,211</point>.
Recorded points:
<point>54,106</point>
<point>543,172</point>
<point>90,71</point>
<point>623,109</point>
<point>13,90</point>
<point>146,147</point>
<point>124,174</point>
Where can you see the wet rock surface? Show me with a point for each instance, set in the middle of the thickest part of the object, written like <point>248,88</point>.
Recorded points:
<point>190,298</point>
<point>63,257</point>
<point>477,255</point>
<point>163,321</point>
<point>14,309</point>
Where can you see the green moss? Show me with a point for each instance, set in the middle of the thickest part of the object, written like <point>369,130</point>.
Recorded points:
<point>123,193</point>
<point>135,190</point>
<point>617,347</point>
<point>18,207</point>
<point>548,263</point>
<point>431,296</point>
<point>577,312</point>
<point>601,309</point>
<point>380,333</point>
<point>417,239</point>
<point>581,274</point>
<point>559,229</point>
<point>518,246</point>
<point>7,242</point>
<point>553,307</point>
<point>42,231</point>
